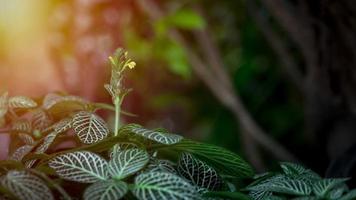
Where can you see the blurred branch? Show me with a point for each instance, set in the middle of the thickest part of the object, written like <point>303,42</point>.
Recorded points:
<point>219,82</point>
<point>278,46</point>
<point>298,30</point>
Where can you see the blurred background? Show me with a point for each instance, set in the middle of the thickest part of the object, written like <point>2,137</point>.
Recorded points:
<point>272,80</point>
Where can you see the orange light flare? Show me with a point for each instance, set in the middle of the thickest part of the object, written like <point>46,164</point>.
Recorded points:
<point>48,46</point>
<point>25,67</point>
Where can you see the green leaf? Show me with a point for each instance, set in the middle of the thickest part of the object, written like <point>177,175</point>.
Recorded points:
<point>22,125</point>
<point>157,136</point>
<point>227,195</point>
<point>293,169</point>
<point>337,192</point>
<point>282,184</point>
<point>21,152</point>
<point>199,173</point>
<point>186,19</point>
<point>21,102</point>
<point>89,127</point>
<point>162,185</point>
<point>61,106</point>
<point>219,158</point>
<point>160,165</point>
<point>106,190</point>
<point>63,125</point>
<point>40,120</point>
<point>260,195</point>
<point>81,166</point>
<point>26,186</point>
<point>117,148</point>
<point>322,187</point>
<point>127,162</point>
<point>44,146</point>
<point>351,195</point>
<point>26,138</point>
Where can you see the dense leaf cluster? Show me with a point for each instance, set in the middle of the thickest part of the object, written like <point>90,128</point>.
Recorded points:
<point>130,162</point>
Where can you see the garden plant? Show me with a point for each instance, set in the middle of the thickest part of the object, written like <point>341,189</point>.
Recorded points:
<point>129,161</point>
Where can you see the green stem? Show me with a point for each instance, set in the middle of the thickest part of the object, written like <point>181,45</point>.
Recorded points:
<point>117,115</point>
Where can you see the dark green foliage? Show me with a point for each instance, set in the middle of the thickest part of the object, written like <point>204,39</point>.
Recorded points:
<point>297,182</point>
<point>131,162</point>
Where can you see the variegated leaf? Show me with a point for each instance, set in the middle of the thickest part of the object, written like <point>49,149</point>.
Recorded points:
<point>260,195</point>
<point>52,99</point>
<point>21,102</point>
<point>26,186</point>
<point>63,125</point>
<point>157,136</point>
<point>22,125</point>
<point>40,120</point>
<point>162,185</point>
<point>106,190</point>
<point>127,162</point>
<point>351,195</point>
<point>47,141</point>
<point>89,127</point>
<point>81,166</point>
<point>223,160</point>
<point>21,152</point>
<point>43,147</point>
<point>322,187</point>
<point>26,138</point>
<point>199,173</point>
<point>282,184</point>
<point>120,147</point>
<point>3,104</point>
<point>159,165</point>
<point>49,99</point>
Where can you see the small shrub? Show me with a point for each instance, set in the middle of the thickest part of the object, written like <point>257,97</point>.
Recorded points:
<point>130,161</point>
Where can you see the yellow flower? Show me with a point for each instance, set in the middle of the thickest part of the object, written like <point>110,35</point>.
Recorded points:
<point>131,64</point>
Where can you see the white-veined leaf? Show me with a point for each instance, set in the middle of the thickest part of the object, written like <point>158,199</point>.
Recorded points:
<point>351,195</point>
<point>22,125</point>
<point>3,104</point>
<point>157,136</point>
<point>89,127</point>
<point>49,99</point>
<point>52,99</point>
<point>199,173</point>
<point>47,141</point>
<point>260,195</point>
<point>127,162</point>
<point>81,166</point>
<point>40,120</point>
<point>26,138</point>
<point>219,158</point>
<point>322,187</point>
<point>299,172</point>
<point>63,125</point>
<point>117,148</point>
<point>162,185</point>
<point>160,165</point>
<point>106,190</point>
<point>337,192</point>
<point>43,147</point>
<point>26,186</point>
<point>21,152</point>
<point>282,184</point>
<point>21,102</point>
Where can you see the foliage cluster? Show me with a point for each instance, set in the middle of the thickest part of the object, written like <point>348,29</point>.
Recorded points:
<point>130,161</point>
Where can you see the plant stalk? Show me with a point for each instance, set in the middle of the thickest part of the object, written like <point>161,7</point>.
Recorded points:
<point>117,103</point>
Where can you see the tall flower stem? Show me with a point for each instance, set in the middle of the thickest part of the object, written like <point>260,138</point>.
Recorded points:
<point>117,103</point>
